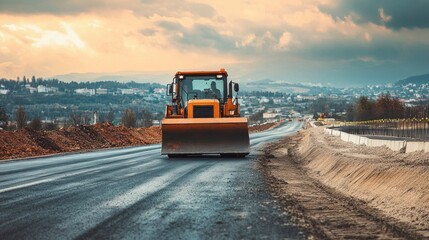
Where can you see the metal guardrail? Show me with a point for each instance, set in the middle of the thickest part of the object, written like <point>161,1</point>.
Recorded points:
<point>416,128</point>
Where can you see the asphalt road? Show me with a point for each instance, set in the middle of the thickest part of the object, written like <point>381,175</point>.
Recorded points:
<point>135,193</point>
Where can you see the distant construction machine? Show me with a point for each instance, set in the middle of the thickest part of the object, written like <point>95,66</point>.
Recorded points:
<point>203,117</point>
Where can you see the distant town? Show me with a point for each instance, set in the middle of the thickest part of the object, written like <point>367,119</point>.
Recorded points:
<point>67,103</point>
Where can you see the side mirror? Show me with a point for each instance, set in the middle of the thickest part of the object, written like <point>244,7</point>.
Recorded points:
<point>174,89</point>
<point>169,89</point>
<point>236,87</point>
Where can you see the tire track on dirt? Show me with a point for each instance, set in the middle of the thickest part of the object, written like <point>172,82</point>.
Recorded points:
<point>326,213</point>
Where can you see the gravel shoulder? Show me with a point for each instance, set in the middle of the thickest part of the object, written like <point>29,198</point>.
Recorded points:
<point>340,190</point>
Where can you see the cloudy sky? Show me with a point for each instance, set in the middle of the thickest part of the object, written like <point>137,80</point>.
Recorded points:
<point>349,42</point>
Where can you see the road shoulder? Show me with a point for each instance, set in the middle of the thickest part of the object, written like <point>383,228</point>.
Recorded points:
<point>323,209</point>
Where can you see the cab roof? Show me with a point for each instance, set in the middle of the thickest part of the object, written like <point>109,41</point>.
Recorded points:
<point>203,73</point>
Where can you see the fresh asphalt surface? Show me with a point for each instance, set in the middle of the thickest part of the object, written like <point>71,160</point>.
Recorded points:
<point>135,193</point>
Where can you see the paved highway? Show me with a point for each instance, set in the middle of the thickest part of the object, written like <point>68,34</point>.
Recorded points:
<point>135,193</point>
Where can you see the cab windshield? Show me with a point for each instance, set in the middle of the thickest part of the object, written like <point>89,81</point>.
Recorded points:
<point>202,87</point>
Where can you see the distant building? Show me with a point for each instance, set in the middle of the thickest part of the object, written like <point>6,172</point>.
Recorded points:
<point>101,91</point>
<point>271,115</point>
<point>278,100</point>
<point>85,91</point>
<point>264,100</point>
<point>307,98</point>
<point>131,91</point>
<point>32,89</point>
<point>159,90</point>
<point>53,89</point>
<point>42,89</point>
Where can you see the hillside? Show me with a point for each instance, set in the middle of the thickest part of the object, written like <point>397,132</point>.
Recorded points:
<point>123,77</point>
<point>270,85</point>
<point>418,80</point>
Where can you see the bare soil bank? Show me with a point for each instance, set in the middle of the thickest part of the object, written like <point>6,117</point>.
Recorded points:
<point>341,190</point>
<point>264,127</point>
<point>28,143</point>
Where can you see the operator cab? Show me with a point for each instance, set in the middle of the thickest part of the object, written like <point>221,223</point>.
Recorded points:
<point>202,87</point>
<point>202,92</point>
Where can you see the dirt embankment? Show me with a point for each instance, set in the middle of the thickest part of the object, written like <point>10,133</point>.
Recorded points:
<point>344,190</point>
<point>27,143</point>
<point>265,126</point>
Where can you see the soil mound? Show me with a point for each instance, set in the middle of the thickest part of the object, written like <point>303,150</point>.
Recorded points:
<point>395,183</point>
<point>27,143</point>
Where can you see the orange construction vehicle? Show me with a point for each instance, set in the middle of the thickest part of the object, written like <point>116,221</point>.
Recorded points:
<point>203,117</point>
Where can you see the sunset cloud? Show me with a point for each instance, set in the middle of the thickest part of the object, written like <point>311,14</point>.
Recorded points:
<point>383,16</point>
<point>394,14</point>
<point>38,37</point>
<point>48,38</point>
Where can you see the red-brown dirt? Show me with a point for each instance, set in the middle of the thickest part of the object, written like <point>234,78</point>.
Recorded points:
<point>27,143</point>
<point>264,127</point>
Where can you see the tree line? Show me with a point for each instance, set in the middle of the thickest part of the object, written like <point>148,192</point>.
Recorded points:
<point>384,107</point>
<point>130,118</point>
<point>18,84</point>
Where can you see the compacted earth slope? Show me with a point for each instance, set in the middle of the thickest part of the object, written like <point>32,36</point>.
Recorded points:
<point>28,143</point>
<point>342,190</point>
